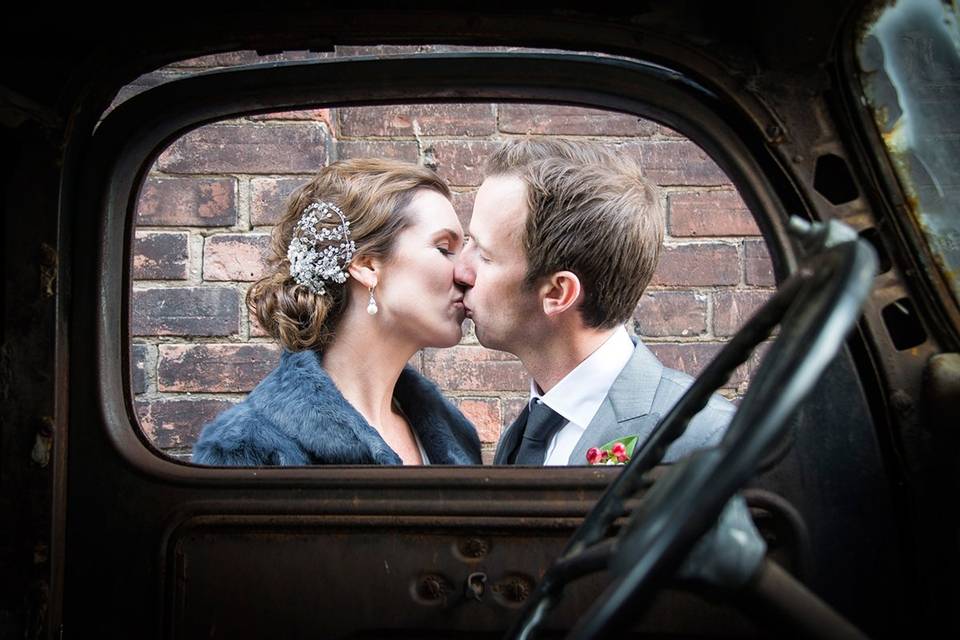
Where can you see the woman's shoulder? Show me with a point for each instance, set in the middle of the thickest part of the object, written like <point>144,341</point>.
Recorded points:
<point>240,436</point>
<point>294,416</point>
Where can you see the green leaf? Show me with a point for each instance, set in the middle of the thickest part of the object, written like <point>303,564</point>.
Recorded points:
<point>629,443</point>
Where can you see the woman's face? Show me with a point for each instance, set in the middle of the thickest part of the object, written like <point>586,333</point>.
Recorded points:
<point>416,295</point>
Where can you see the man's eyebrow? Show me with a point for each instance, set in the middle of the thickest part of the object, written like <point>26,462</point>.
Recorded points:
<point>473,239</point>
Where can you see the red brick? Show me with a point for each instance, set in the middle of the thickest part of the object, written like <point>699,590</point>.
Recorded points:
<point>711,213</point>
<point>732,308</point>
<point>416,361</point>
<point>138,367</point>
<point>487,452</point>
<point>416,119</point>
<point>160,256</point>
<point>675,162</point>
<point>291,147</point>
<point>214,368</point>
<point>196,202</point>
<point>666,131</point>
<point>394,149</point>
<point>256,331</point>
<point>463,205</point>
<point>315,115</point>
<point>512,408</point>
<point>692,357</point>
<point>268,198</point>
<point>191,311</point>
<point>461,162</point>
<point>485,415</point>
<point>757,264</point>
<point>235,257</point>
<point>753,363</point>
<point>671,313</point>
<point>468,368</point>
<point>698,265</point>
<point>177,422</point>
<point>565,120</point>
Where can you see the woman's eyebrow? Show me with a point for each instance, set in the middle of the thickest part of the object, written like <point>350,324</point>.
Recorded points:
<point>453,233</point>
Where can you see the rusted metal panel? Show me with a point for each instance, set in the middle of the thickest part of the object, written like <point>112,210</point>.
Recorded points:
<point>301,576</point>
<point>909,57</point>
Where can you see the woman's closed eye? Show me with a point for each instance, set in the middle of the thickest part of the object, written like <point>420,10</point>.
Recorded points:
<point>446,251</point>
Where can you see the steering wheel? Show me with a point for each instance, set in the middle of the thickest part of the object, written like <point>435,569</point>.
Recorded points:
<point>815,309</point>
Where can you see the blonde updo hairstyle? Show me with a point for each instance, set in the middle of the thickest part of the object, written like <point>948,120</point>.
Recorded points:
<point>374,195</point>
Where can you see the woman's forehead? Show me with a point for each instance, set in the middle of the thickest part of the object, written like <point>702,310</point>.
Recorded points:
<point>431,212</point>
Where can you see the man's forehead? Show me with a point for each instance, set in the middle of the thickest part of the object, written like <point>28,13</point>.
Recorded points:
<point>500,207</point>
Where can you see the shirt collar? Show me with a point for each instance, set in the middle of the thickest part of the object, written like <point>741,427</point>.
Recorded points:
<point>578,396</point>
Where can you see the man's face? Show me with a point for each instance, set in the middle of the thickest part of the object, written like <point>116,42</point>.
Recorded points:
<point>492,265</point>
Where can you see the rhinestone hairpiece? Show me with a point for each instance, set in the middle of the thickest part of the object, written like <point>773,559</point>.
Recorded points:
<point>313,267</point>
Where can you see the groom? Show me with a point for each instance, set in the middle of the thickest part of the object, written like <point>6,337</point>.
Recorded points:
<point>564,238</point>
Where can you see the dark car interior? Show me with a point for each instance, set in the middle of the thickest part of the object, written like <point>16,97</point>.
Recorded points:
<point>843,451</point>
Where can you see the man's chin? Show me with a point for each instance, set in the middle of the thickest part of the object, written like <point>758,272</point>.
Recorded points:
<point>484,338</point>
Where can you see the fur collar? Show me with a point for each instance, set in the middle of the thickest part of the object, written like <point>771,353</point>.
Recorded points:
<point>298,413</point>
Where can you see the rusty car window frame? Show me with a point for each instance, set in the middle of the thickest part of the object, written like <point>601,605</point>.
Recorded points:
<point>909,58</point>
<point>866,103</point>
<point>131,137</point>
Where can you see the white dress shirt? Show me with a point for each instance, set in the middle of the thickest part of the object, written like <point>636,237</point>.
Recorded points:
<point>578,396</point>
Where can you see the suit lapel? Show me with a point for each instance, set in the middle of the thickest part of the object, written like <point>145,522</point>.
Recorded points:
<point>626,409</point>
<point>510,437</point>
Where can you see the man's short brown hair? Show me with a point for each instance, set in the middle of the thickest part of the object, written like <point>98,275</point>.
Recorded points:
<point>591,212</point>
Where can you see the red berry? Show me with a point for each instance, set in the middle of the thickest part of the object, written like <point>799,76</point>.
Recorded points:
<point>618,449</point>
<point>593,455</point>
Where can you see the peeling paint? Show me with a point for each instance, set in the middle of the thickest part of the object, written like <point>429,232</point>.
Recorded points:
<point>909,56</point>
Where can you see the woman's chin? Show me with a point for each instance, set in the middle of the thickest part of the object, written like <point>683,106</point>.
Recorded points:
<point>452,338</point>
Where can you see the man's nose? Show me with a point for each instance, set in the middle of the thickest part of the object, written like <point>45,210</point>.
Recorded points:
<point>463,272</point>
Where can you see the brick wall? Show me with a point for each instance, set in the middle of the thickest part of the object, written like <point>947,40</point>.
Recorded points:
<point>205,213</point>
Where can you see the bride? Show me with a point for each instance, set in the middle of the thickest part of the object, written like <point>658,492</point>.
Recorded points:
<point>362,278</point>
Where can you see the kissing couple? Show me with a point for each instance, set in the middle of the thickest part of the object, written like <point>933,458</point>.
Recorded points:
<point>371,265</point>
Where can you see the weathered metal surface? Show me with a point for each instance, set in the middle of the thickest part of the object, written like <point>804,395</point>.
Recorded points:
<point>909,56</point>
<point>942,397</point>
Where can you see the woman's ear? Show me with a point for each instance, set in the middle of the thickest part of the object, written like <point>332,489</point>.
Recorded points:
<point>560,292</point>
<point>364,270</point>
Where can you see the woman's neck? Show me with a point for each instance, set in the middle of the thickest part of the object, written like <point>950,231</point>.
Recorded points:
<point>365,366</point>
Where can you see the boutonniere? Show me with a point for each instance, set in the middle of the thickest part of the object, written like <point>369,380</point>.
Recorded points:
<point>616,451</point>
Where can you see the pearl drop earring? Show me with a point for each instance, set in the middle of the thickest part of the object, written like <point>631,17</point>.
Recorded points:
<point>372,305</point>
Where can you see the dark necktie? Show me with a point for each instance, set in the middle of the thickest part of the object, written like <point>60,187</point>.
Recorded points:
<point>542,423</point>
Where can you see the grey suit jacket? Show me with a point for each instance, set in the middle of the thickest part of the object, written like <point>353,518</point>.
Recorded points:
<point>643,392</point>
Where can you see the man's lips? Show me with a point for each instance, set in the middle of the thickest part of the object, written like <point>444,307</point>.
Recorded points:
<point>466,308</point>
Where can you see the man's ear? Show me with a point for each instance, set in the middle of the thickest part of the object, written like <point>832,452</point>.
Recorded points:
<point>364,270</point>
<point>560,292</point>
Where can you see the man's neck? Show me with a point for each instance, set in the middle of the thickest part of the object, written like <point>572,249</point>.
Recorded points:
<point>560,353</point>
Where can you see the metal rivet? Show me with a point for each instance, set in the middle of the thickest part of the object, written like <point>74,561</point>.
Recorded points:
<point>432,589</point>
<point>514,589</point>
<point>474,548</point>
